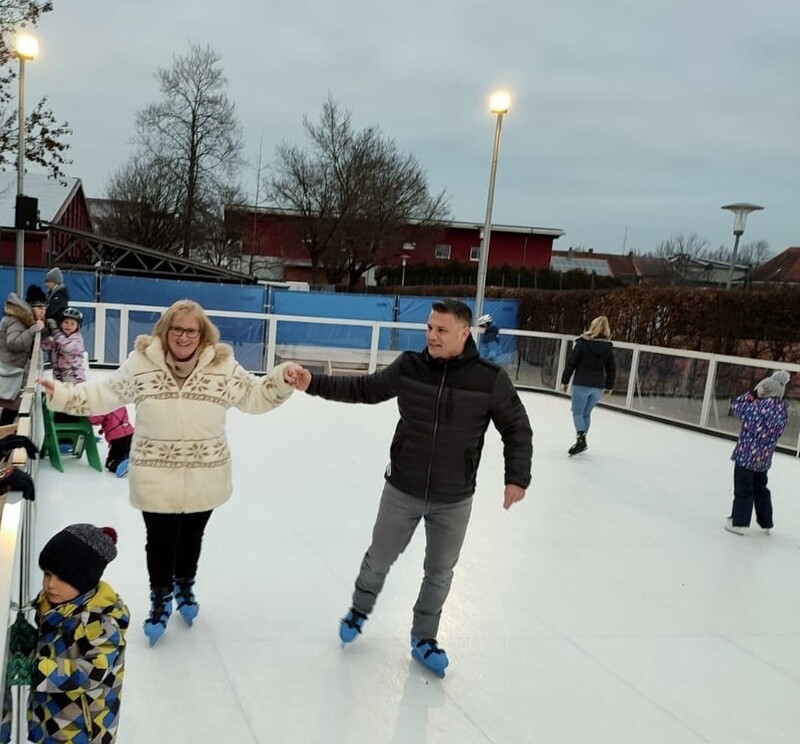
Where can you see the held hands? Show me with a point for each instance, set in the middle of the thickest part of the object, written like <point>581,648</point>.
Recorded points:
<point>298,377</point>
<point>38,325</point>
<point>512,495</point>
<point>564,388</point>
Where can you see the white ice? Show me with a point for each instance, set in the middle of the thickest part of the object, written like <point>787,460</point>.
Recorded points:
<point>609,606</point>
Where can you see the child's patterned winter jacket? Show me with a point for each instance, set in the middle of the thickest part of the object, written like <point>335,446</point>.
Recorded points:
<point>763,422</point>
<point>66,355</point>
<point>79,667</point>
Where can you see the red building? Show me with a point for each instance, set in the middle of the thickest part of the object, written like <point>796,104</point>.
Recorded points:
<point>59,204</point>
<point>276,237</point>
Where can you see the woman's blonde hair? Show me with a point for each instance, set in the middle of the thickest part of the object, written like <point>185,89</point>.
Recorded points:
<point>209,333</point>
<point>599,327</point>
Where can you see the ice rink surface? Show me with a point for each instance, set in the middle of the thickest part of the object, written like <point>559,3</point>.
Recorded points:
<point>609,606</point>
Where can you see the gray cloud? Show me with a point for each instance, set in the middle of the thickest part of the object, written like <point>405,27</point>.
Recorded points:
<point>628,113</point>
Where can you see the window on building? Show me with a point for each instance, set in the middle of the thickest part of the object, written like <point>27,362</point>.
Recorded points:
<point>475,253</point>
<point>442,251</point>
<point>409,246</point>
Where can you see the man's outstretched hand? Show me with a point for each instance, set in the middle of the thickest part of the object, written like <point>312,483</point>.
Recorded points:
<point>512,495</point>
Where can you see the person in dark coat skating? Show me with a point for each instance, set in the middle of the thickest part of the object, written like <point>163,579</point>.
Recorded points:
<point>447,396</point>
<point>591,361</point>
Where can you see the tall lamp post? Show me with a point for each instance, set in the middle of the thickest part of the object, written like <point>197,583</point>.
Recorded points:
<point>498,104</point>
<point>740,212</point>
<point>26,48</point>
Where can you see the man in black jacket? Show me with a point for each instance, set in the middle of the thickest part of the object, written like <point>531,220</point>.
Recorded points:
<point>446,395</point>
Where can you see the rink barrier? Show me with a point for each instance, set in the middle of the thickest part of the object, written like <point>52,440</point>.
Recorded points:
<point>687,388</point>
<point>17,525</point>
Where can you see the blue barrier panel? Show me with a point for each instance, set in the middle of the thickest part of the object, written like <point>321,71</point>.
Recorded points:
<point>163,292</point>
<point>80,284</point>
<point>325,305</point>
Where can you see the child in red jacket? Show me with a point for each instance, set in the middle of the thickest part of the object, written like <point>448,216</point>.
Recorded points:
<point>118,431</point>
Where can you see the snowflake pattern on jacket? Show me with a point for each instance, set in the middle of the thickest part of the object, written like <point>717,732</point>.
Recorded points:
<point>66,356</point>
<point>763,421</point>
<point>78,669</point>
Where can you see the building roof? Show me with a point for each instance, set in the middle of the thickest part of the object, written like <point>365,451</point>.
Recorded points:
<point>785,267</point>
<point>549,231</point>
<point>53,196</point>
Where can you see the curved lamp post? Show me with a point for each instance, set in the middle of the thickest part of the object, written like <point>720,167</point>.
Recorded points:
<point>498,104</point>
<point>25,49</point>
<point>740,211</point>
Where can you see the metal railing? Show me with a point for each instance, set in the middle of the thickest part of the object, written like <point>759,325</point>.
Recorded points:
<point>17,523</point>
<point>689,388</point>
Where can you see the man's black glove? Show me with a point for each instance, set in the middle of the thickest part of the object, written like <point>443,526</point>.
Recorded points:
<point>14,479</point>
<point>14,441</point>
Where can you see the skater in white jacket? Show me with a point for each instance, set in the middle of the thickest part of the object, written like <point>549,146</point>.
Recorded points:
<point>182,381</point>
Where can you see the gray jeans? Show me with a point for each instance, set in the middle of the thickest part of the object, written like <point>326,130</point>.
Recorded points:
<point>398,517</point>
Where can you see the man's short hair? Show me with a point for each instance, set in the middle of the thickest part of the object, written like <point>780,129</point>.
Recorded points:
<point>454,307</point>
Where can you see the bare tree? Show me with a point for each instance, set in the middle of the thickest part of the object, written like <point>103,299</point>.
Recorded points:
<point>752,254</point>
<point>692,246</point>
<point>356,194</point>
<point>144,206</point>
<point>45,138</point>
<point>195,128</point>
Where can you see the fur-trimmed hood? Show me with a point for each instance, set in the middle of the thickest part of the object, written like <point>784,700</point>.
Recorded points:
<point>19,309</point>
<point>152,348</point>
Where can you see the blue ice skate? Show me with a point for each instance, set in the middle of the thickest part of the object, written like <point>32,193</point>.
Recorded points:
<point>122,468</point>
<point>427,652</point>
<point>160,609</point>
<point>185,600</point>
<point>350,626</point>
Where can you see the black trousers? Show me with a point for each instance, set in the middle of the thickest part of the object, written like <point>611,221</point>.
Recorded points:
<point>118,450</point>
<point>173,545</point>
<point>750,490</point>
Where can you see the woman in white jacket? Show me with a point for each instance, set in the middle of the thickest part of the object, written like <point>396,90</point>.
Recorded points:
<point>182,381</point>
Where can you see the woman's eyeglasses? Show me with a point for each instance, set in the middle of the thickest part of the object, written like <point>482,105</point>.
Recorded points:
<point>190,333</point>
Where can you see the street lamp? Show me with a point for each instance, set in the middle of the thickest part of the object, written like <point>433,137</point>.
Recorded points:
<point>404,261</point>
<point>498,104</point>
<point>26,48</point>
<point>740,212</point>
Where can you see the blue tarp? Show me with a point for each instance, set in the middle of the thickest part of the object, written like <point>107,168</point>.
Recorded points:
<point>248,337</point>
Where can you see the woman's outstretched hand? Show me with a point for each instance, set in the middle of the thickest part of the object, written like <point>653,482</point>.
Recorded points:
<point>47,384</point>
<point>298,377</point>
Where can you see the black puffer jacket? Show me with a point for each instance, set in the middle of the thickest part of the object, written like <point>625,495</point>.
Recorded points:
<point>592,361</point>
<point>445,409</point>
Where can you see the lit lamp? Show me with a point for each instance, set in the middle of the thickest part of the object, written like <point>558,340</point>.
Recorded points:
<point>740,212</point>
<point>498,104</point>
<point>25,48</point>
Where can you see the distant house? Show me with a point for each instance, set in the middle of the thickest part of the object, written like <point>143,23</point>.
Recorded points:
<point>628,268</point>
<point>275,237</point>
<point>59,204</point>
<point>783,269</point>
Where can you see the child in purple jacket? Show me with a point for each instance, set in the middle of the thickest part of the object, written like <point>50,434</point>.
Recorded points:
<point>764,414</point>
<point>66,348</point>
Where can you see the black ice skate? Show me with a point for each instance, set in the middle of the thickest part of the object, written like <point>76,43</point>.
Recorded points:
<point>580,444</point>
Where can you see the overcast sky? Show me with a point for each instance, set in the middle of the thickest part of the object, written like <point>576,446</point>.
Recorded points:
<point>628,116</point>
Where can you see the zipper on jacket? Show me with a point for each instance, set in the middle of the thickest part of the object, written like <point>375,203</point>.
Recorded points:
<point>433,433</point>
